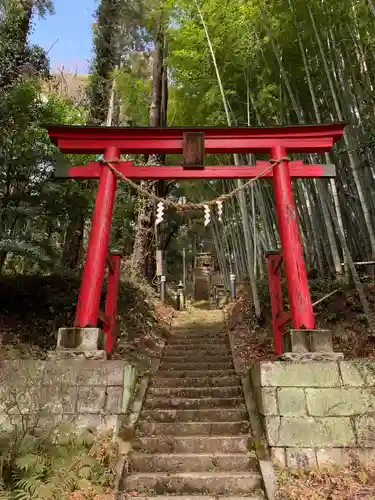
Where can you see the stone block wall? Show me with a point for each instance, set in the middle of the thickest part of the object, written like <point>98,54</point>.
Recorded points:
<point>85,393</point>
<point>317,413</point>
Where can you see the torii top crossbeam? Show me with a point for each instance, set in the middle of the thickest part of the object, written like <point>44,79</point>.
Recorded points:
<point>148,140</point>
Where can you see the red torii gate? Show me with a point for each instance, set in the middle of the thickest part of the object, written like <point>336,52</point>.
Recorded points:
<point>277,141</point>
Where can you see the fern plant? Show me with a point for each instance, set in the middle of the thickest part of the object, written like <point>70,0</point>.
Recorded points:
<point>59,465</point>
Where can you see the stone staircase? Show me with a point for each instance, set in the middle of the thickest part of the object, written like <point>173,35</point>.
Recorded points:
<point>193,437</point>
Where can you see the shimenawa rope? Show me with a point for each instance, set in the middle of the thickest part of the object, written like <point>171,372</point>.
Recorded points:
<point>188,206</point>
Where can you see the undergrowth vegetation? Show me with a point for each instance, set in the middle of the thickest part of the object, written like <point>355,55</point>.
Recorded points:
<point>56,464</point>
<point>341,312</point>
<point>33,308</point>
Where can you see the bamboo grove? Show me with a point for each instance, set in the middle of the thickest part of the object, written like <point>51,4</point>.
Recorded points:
<point>290,62</point>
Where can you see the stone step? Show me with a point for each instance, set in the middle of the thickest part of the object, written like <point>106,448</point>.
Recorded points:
<point>202,415</point>
<point>213,349</point>
<point>192,428</point>
<point>181,366</point>
<point>198,330</point>
<point>194,482</point>
<point>196,373</point>
<point>259,496</point>
<point>196,392</point>
<point>192,343</point>
<point>190,462</point>
<point>198,337</point>
<point>193,444</point>
<point>198,357</point>
<point>208,342</point>
<point>195,381</point>
<point>193,404</point>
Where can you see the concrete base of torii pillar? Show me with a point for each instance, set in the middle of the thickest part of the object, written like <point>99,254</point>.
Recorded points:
<point>79,343</point>
<point>309,345</point>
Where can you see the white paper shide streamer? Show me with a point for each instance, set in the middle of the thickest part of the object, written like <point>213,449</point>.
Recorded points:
<point>159,213</point>
<point>207,215</point>
<point>220,210</point>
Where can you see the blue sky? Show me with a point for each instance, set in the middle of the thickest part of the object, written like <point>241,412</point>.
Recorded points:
<point>68,32</point>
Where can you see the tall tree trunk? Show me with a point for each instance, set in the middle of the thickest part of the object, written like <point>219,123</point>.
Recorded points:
<point>139,261</point>
<point>372,6</point>
<point>27,7</point>
<point>106,49</point>
<point>112,105</point>
<point>157,117</point>
<point>157,76</point>
<point>164,96</point>
<point>73,242</point>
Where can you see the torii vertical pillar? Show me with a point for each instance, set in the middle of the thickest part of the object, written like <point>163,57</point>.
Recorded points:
<point>97,249</point>
<point>294,263</point>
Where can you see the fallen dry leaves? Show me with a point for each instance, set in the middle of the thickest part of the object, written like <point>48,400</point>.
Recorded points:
<point>354,483</point>
<point>252,337</point>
